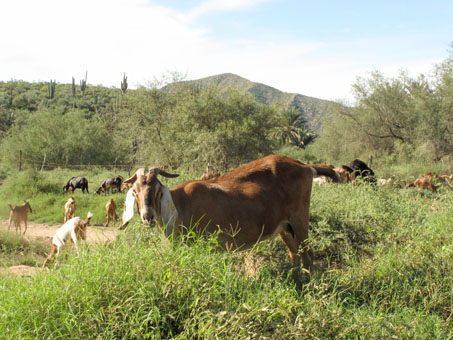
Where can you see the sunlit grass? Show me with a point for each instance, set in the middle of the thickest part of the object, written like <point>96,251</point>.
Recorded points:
<point>382,270</point>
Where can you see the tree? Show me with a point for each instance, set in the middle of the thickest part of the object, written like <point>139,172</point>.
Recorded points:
<point>294,129</point>
<point>69,138</point>
<point>186,128</point>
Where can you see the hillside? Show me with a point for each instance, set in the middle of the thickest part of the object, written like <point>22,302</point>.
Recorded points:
<point>313,108</point>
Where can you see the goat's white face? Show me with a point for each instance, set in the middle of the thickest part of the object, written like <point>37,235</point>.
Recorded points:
<point>147,191</point>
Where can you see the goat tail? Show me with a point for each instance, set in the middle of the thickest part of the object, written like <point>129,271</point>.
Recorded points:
<point>10,206</point>
<point>324,170</point>
<point>89,216</point>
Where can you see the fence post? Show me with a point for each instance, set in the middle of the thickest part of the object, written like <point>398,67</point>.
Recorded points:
<point>43,162</point>
<point>20,160</point>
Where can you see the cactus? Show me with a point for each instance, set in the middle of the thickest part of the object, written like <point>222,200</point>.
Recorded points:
<point>124,84</point>
<point>83,84</point>
<point>73,87</point>
<point>73,93</point>
<point>51,89</point>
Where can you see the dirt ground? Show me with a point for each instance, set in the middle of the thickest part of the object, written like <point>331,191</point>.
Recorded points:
<point>44,232</point>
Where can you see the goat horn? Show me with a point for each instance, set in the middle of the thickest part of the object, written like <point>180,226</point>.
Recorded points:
<point>158,171</point>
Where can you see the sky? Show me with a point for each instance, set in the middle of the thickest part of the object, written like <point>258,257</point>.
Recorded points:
<point>312,47</point>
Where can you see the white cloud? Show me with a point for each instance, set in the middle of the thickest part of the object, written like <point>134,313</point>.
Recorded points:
<point>220,5</point>
<point>58,39</point>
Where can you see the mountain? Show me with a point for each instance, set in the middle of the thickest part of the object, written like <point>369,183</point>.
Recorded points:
<point>313,108</point>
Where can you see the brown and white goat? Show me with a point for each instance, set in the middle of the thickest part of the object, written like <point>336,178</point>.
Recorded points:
<point>69,209</point>
<point>259,200</point>
<point>110,211</point>
<point>19,214</point>
<point>74,229</point>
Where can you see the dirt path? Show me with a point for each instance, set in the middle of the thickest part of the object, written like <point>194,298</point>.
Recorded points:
<point>44,232</point>
<point>37,231</point>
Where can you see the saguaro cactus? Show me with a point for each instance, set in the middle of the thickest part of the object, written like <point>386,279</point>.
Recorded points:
<point>124,84</point>
<point>73,87</point>
<point>83,84</point>
<point>51,89</point>
<point>73,93</point>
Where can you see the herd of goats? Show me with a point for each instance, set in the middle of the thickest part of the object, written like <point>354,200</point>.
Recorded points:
<point>267,183</point>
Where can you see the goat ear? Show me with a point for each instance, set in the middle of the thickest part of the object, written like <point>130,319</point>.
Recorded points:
<point>128,212</point>
<point>131,179</point>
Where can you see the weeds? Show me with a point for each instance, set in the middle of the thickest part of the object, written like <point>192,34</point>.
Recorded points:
<point>382,271</point>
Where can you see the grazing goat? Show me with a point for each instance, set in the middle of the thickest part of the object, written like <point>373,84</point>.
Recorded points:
<point>110,210</point>
<point>69,209</point>
<point>360,169</point>
<point>19,214</point>
<point>429,180</point>
<point>211,172</point>
<point>110,184</point>
<point>76,183</point>
<point>258,200</point>
<point>75,228</point>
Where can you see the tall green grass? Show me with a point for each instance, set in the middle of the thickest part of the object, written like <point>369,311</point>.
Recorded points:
<point>17,250</point>
<point>383,271</point>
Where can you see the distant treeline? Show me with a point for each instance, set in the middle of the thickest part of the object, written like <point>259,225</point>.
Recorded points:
<point>401,119</point>
<point>182,126</point>
<point>187,125</point>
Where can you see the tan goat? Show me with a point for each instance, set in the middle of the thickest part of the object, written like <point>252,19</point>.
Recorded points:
<point>110,211</point>
<point>19,214</point>
<point>69,209</point>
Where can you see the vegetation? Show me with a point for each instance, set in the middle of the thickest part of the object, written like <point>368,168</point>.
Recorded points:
<point>294,130</point>
<point>179,127</point>
<point>313,109</point>
<point>382,271</point>
<point>17,250</point>
<point>402,119</point>
<point>382,254</point>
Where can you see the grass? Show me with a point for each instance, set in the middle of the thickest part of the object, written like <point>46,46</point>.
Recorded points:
<point>16,250</point>
<point>45,193</point>
<point>383,258</point>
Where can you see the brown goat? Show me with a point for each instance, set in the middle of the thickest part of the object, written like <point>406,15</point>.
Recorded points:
<point>110,210</point>
<point>427,180</point>
<point>259,200</point>
<point>19,214</point>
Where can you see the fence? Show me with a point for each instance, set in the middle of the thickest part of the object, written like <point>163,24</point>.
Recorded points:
<point>41,165</point>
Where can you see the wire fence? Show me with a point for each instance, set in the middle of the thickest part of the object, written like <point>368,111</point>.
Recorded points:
<point>44,165</point>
